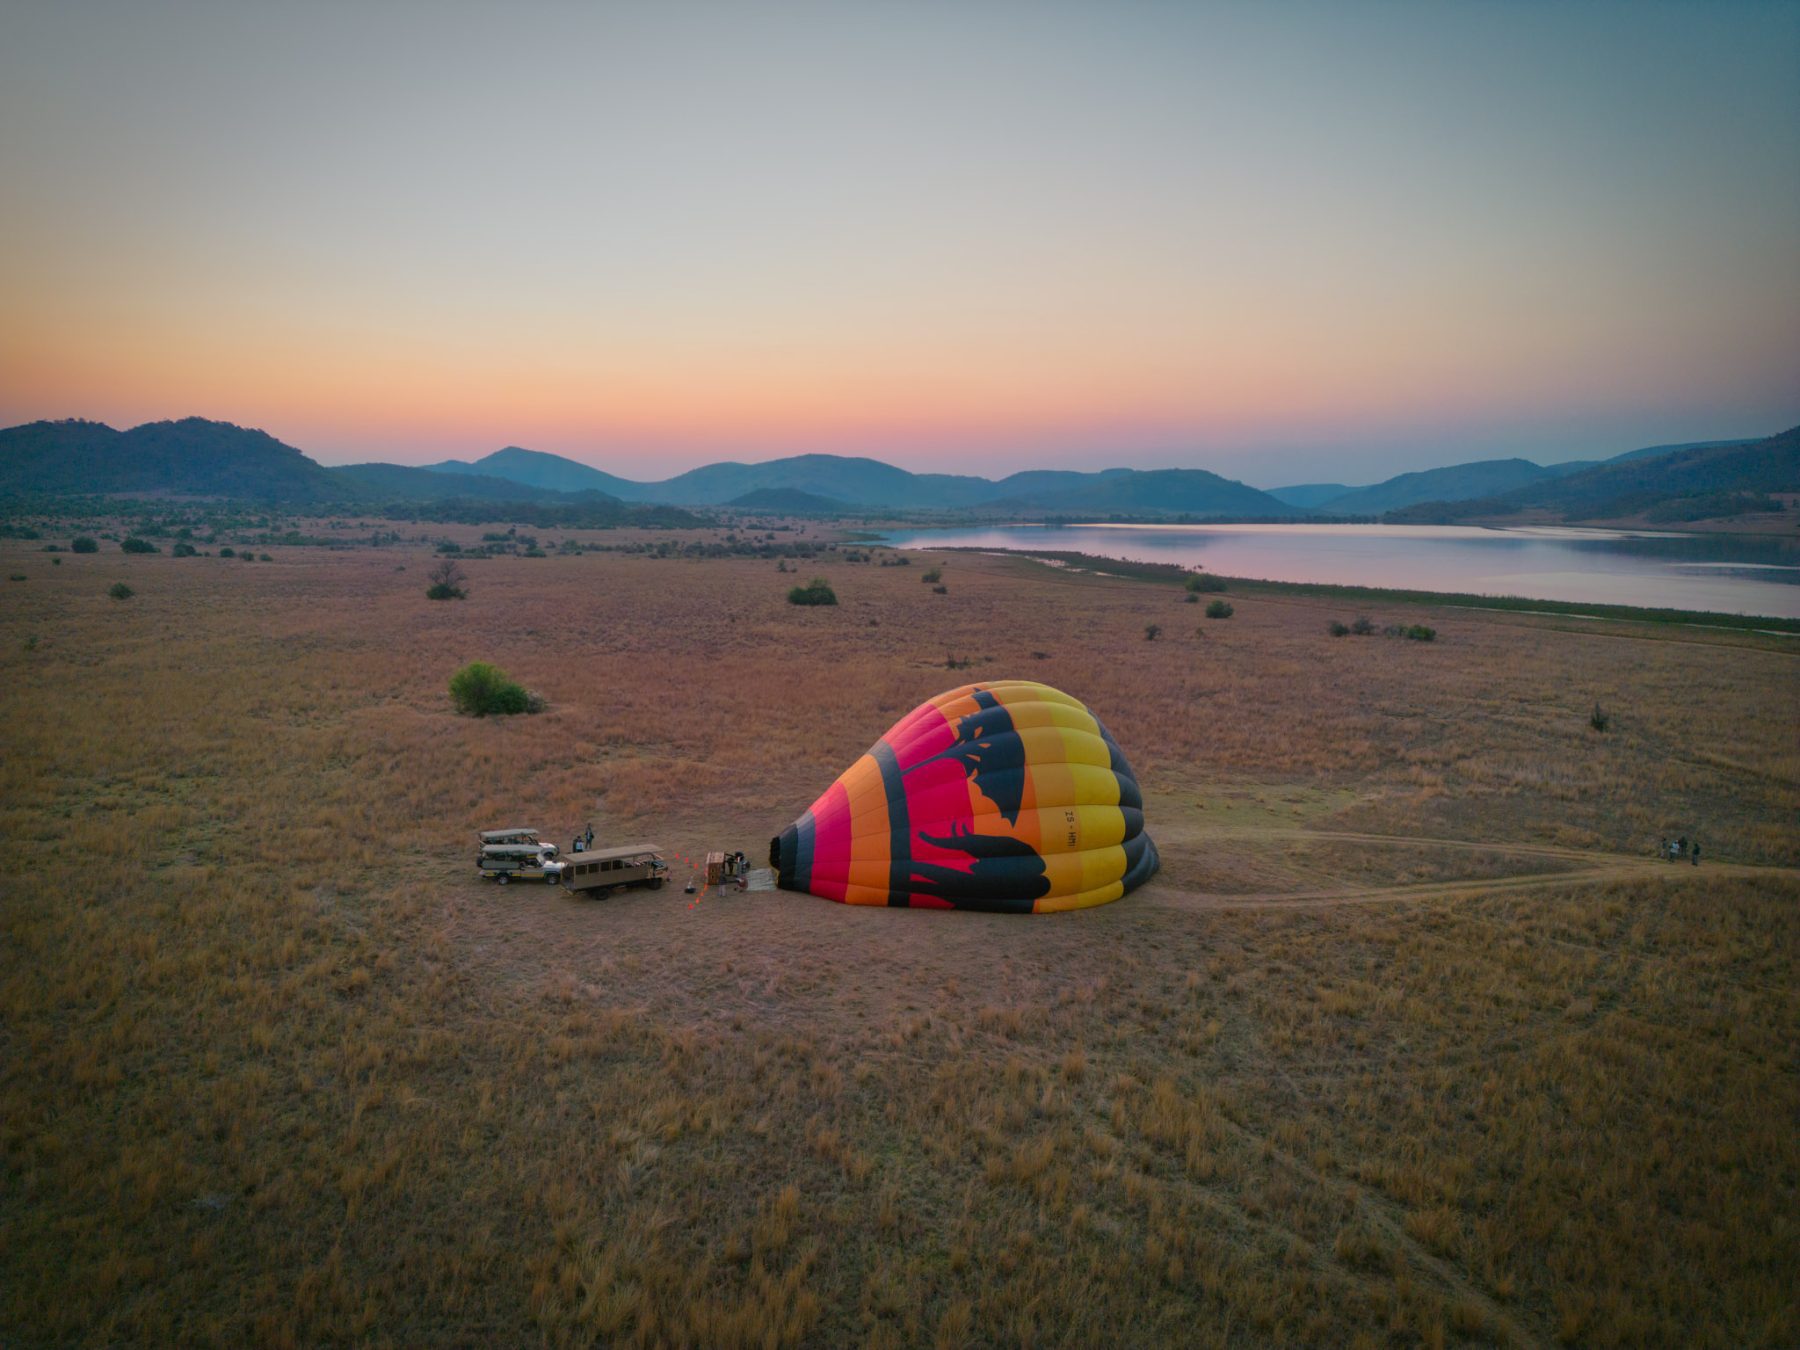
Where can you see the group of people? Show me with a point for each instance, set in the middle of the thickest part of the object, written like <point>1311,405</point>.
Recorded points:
<point>583,842</point>
<point>1676,849</point>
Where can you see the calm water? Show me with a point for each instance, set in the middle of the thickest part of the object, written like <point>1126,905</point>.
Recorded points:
<point>1742,575</point>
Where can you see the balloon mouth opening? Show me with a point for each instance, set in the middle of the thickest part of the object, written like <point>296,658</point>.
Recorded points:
<point>775,852</point>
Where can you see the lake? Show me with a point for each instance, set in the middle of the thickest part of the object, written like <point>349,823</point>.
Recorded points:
<point>1741,574</point>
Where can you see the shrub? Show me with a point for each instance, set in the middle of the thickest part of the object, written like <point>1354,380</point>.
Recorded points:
<point>1202,581</point>
<point>17,576</point>
<point>264,557</point>
<point>120,591</point>
<point>1418,632</point>
<point>228,552</point>
<point>449,546</point>
<point>184,550</point>
<point>1219,609</point>
<point>1190,599</point>
<point>1599,719</point>
<point>132,544</point>
<point>480,689</point>
<point>932,577</point>
<point>819,592</point>
<point>940,590</point>
<point>1151,630</point>
<point>446,580</point>
<point>1337,629</point>
<point>1362,625</point>
<point>83,544</point>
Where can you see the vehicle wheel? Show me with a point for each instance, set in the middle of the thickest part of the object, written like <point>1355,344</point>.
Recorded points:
<point>504,878</point>
<point>551,880</point>
<point>656,885</point>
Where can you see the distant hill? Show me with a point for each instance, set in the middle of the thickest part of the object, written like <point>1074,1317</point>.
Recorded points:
<point>535,468</point>
<point>191,456</point>
<point>400,482</point>
<point>1637,484</point>
<point>1456,482</point>
<point>1173,492</point>
<point>837,482</point>
<point>786,502</point>
<point>1309,495</point>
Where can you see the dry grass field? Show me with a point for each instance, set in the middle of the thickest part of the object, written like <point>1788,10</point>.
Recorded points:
<point>1411,1042</point>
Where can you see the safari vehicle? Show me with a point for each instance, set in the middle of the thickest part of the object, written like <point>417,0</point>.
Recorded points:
<point>520,862</point>
<point>522,834</point>
<point>604,869</point>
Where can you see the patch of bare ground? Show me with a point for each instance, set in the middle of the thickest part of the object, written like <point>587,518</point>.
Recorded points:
<point>1412,1041</point>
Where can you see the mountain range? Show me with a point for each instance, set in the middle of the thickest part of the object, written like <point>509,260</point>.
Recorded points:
<point>195,456</point>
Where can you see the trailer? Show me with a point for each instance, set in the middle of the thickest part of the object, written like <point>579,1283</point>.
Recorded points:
<point>605,869</point>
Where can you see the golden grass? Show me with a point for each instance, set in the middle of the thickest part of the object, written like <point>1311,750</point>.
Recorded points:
<point>275,1067</point>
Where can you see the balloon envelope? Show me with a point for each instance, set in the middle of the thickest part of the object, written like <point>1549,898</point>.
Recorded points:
<point>1005,795</point>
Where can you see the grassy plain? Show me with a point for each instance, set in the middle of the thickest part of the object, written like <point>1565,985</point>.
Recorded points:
<point>1411,1041</point>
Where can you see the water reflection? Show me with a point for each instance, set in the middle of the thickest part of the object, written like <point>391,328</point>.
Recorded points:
<point>1737,574</point>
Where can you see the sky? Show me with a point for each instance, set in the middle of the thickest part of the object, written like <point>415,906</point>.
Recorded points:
<point>1287,242</point>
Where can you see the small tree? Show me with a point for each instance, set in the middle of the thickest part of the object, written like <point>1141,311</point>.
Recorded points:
<point>1599,719</point>
<point>119,591</point>
<point>136,545</point>
<point>932,577</point>
<point>1202,581</point>
<point>1151,630</point>
<point>819,592</point>
<point>1219,609</point>
<point>83,544</point>
<point>483,690</point>
<point>446,580</point>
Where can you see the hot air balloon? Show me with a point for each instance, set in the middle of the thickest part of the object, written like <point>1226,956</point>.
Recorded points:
<point>1005,795</point>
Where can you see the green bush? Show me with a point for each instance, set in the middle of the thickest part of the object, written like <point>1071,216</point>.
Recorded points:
<point>818,593</point>
<point>1151,630</point>
<point>1202,581</point>
<point>1337,629</point>
<point>1219,609</point>
<point>483,690</point>
<point>1420,633</point>
<point>133,544</point>
<point>184,550</point>
<point>228,553</point>
<point>1363,626</point>
<point>120,591</point>
<point>932,577</point>
<point>83,544</point>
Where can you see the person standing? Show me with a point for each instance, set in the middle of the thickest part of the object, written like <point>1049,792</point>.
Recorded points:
<point>1694,853</point>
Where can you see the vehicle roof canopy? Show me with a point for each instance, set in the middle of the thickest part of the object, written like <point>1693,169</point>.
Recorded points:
<point>516,850</point>
<point>493,836</point>
<point>608,854</point>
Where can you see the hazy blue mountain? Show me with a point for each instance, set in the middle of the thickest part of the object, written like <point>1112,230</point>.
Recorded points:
<point>1657,451</point>
<point>400,482</point>
<point>786,502</point>
<point>853,481</point>
<point>192,456</point>
<point>1456,482</point>
<point>1310,495</point>
<point>1175,492</point>
<point>1714,478</point>
<point>535,468</point>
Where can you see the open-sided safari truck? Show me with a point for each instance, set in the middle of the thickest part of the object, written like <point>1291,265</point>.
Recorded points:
<point>605,869</point>
<point>521,862</point>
